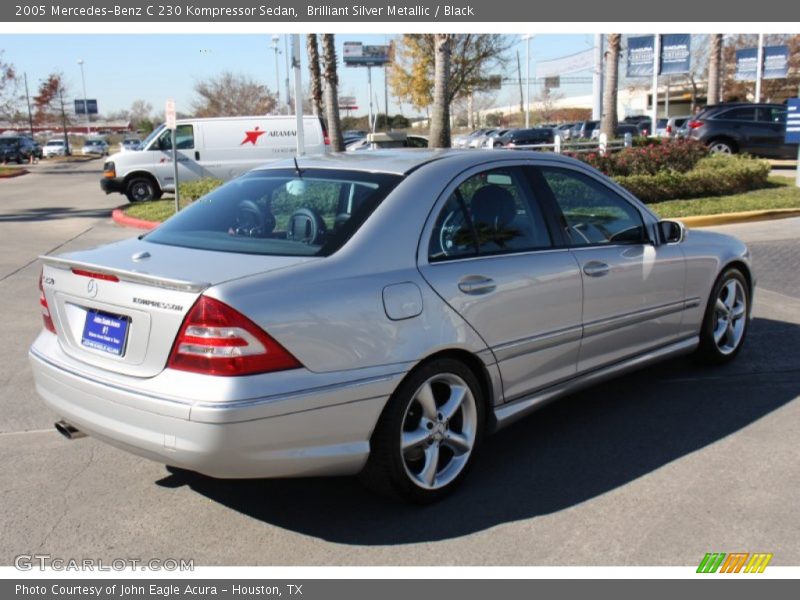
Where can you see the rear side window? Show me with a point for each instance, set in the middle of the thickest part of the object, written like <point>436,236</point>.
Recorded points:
<point>489,213</point>
<point>738,114</point>
<point>279,213</point>
<point>593,212</point>
<point>771,114</point>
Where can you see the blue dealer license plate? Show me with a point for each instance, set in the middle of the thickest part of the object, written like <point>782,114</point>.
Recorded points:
<point>106,332</point>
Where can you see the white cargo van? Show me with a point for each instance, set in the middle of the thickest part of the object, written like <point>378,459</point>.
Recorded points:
<point>222,148</point>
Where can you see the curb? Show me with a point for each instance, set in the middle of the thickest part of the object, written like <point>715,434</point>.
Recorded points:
<point>739,217</point>
<point>16,173</point>
<point>120,218</point>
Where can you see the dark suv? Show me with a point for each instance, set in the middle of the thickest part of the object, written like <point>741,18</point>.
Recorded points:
<point>525,137</point>
<point>743,127</point>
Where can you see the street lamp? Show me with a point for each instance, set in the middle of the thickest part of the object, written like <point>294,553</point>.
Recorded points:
<point>85,102</point>
<point>275,39</point>
<point>527,37</point>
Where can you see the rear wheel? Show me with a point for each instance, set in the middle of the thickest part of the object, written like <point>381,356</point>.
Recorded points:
<point>726,319</point>
<point>428,434</point>
<point>721,147</point>
<point>141,189</point>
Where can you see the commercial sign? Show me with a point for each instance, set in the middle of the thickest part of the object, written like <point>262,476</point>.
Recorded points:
<point>356,54</point>
<point>640,56</point>
<point>347,103</point>
<point>676,53</point>
<point>565,65</point>
<point>746,64</point>
<point>86,106</point>
<point>792,133</point>
<point>170,114</point>
<point>776,62</point>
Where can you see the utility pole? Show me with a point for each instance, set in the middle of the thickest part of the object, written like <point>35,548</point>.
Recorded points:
<point>298,99</point>
<point>521,94</point>
<point>275,40</point>
<point>597,78</point>
<point>288,91</point>
<point>85,101</point>
<point>28,100</point>
<point>527,39</point>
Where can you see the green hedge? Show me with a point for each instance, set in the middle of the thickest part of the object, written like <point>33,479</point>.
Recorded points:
<point>192,190</point>
<point>713,176</point>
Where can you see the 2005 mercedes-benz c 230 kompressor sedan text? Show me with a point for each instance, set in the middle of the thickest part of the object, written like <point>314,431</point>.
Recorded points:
<point>375,313</point>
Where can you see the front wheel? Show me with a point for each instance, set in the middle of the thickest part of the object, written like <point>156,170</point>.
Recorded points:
<point>428,434</point>
<point>726,319</point>
<point>140,189</point>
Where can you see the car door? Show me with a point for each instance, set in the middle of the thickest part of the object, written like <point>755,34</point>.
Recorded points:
<point>189,168</point>
<point>772,131</point>
<point>488,252</point>
<point>633,289</point>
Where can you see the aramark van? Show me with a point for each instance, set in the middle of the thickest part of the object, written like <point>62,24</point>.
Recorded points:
<point>222,148</point>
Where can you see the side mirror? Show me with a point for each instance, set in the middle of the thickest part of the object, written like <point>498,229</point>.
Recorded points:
<point>671,232</point>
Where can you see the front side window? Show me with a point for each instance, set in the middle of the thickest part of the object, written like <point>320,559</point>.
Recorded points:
<point>593,213</point>
<point>279,212</point>
<point>184,138</point>
<point>489,213</point>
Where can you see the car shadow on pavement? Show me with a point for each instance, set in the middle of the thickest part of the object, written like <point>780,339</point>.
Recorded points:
<point>50,213</point>
<point>571,451</point>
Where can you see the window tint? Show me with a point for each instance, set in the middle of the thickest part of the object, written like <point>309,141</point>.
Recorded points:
<point>593,212</point>
<point>184,138</point>
<point>489,213</point>
<point>772,114</point>
<point>739,114</point>
<point>275,212</point>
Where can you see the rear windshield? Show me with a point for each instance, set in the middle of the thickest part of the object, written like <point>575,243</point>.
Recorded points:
<point>279,213</point>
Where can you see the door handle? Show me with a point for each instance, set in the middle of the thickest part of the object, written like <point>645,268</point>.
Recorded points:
<point>476,285</point>
<point>596,268</point>
<point>196,155</point>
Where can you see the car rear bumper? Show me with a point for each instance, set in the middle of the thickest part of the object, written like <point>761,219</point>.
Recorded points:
<point>226,440</point>
<point>111,185</point>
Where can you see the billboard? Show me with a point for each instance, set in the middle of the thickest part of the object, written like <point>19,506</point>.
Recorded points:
<point>347,103</point>
<point>356,54</point>
<point>676,53</point>
<point>86,106</point>
<point>640,56</point>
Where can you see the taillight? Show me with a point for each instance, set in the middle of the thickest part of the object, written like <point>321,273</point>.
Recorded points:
<point>694,124</point>
<point>327,140</point>
<point>46,318</point>
<point>669,129</point>
<point>215,339</point>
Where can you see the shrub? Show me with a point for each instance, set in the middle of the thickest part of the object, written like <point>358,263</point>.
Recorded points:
<point>674,155</point>
<point>192,190</point>
<point>712,176</point>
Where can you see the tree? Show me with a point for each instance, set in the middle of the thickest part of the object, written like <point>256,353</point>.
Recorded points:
<point>331,92</point>
<point>140,110</point>
<point>316,75</point>
<point>440,113</point>
<point>714,70</point>
<point>9,82</point>
<point>231,94</point>
<point>48,103</point>
<point>609,121</point>
<point>473,57</point>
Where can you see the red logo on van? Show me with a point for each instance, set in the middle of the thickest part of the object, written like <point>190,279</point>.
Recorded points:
<point>252,136</point>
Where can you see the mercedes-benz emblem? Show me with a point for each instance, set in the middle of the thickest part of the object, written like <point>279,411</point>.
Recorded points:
<point>91,288</point>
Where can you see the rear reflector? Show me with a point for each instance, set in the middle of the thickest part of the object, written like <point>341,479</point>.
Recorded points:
<point>46,318</point>
<point>94,275</point>
<point>215,339</point>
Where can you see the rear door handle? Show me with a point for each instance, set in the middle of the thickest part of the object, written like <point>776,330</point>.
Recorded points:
<point>596,268</point>
<point>476,285</point>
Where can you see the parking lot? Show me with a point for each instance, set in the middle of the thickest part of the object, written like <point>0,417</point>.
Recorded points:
<point>656,468</point>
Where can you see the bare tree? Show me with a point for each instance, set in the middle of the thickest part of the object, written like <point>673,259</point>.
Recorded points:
<point>331,92</point>
<point>230,94</point>
<point>140,110</point>
<point>714,95</point>
<point>609,121</point>
<point>9,96</point>
<point>316,75</point>
<point>440,114</point>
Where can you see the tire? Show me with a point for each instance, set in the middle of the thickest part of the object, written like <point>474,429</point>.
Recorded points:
<point>722,146</point>
<point>438,411</point>
<point>141,189</point>
<point>726,319</point>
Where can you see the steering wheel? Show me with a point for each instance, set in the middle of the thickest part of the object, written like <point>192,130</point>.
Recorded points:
<point>306,226</point>
<point>452,225</point>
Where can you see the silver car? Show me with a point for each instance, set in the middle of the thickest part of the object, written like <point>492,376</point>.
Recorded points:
<point>375,313</point>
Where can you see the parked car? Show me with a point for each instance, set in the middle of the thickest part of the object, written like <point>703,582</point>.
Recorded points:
<point>525,137</point>
<point>222,147</point>
<point>12,149</point>
<point>94,147</point>
<point>376,313</point>
<point>675,125</point>
<point>462,141</point>
<point>743,127</point>
<point>583,129</point>
<point>661,128</point>
<point>490,140</point>
<point>479,141</point>
<point>565,130</point>
<point>55,147</point>
<point>620,132</point>
<point>383,140</point>
<point>130,145</point>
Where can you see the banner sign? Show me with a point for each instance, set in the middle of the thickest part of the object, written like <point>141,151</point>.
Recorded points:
<point>356,54</point>
<point>776,62</point>
<point>640,56</point>
<point>86,106</point>
<point>676,53</point>
<point>573,63</point>
<point>746,64</point>
<point>792,134</point>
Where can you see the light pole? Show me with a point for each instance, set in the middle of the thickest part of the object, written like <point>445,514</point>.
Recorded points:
<point>85,102</point>
<point>275,39</point>
<point>527,37</point>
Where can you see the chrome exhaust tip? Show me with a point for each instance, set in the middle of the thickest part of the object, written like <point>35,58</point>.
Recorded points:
<point>68,431</point>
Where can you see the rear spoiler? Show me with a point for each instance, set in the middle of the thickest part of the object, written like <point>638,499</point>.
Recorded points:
<point>132,276</point>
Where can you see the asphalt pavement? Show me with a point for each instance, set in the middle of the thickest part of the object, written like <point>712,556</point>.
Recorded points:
<point>656,468</point>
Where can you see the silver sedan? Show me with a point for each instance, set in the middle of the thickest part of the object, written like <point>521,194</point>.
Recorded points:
<point>375,313</point>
